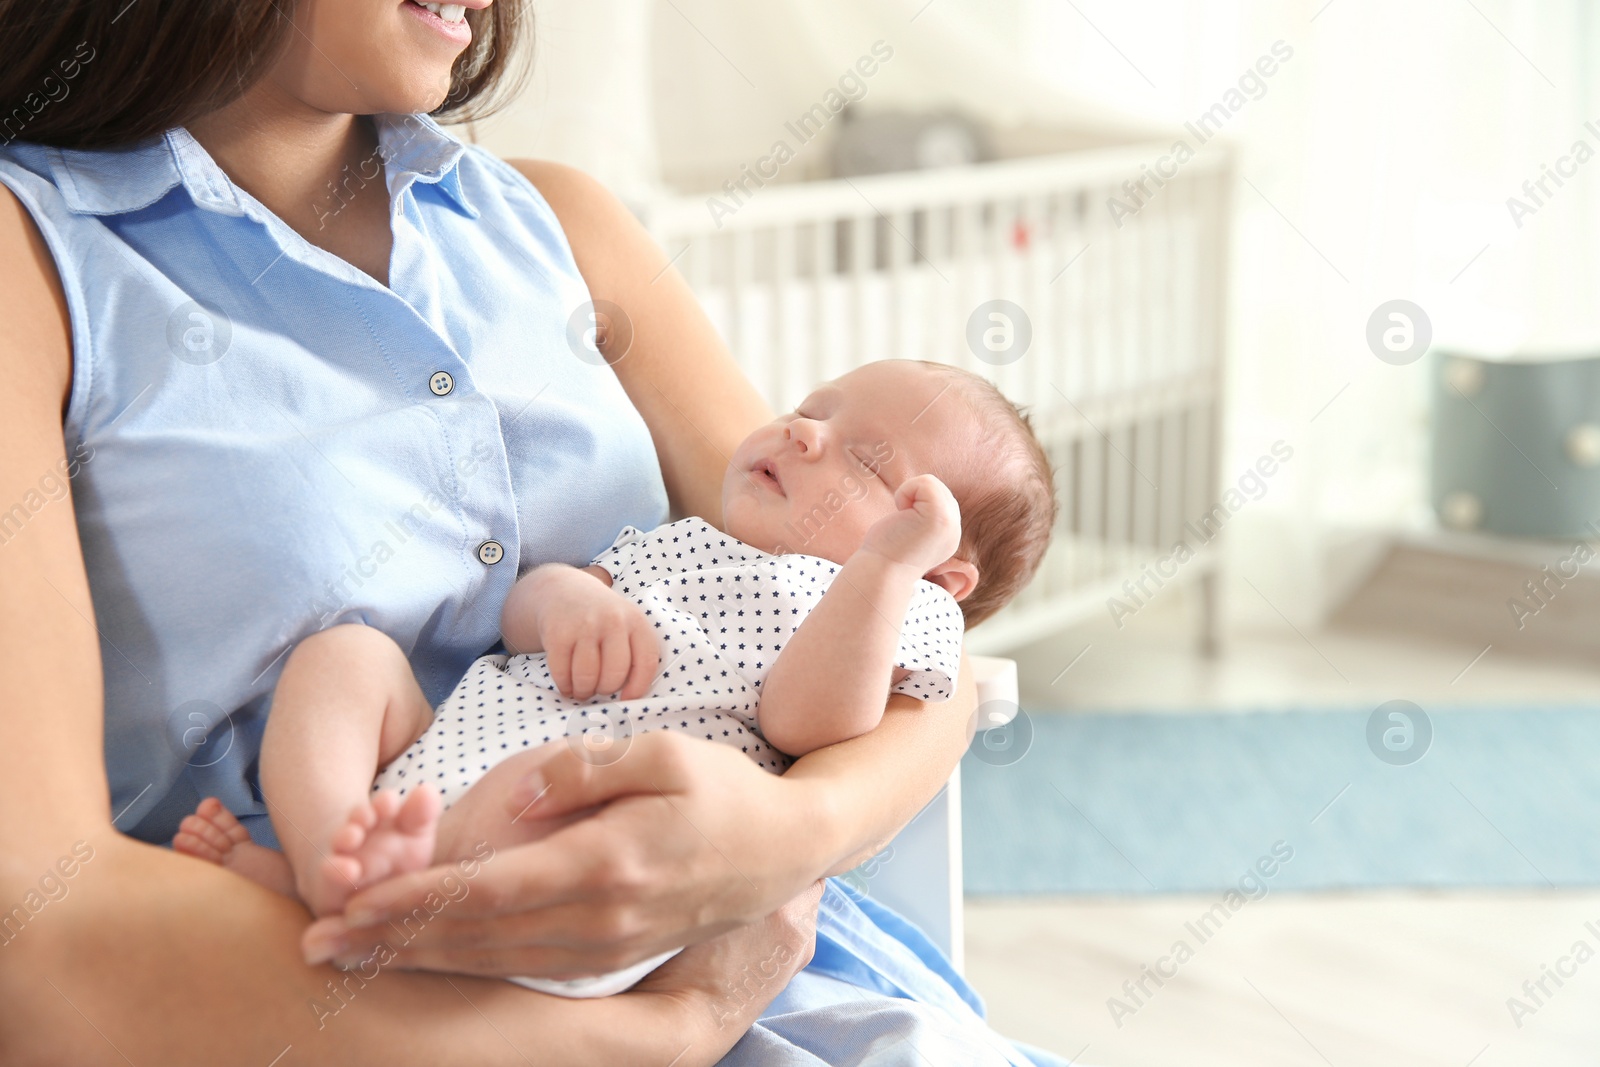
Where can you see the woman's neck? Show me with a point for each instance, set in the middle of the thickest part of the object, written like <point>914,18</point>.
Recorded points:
<point>319,172</point>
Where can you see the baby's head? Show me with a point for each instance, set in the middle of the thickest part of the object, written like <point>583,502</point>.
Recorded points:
<point>816,479</point>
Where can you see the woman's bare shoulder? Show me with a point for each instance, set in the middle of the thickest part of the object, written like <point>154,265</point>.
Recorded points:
<point>610,245</point>
<point>569,185</point>
<point>37,345</point>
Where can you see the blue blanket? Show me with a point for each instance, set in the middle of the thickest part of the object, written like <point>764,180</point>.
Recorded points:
<point>877,993</point>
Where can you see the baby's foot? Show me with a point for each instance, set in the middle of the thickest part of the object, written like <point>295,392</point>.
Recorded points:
<point>384,837</point>
<point>214,835</point>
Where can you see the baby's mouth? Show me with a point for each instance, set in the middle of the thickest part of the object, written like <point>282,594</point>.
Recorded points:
<point>770,473</point>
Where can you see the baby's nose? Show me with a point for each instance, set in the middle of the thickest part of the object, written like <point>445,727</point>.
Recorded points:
<point>804,434</point>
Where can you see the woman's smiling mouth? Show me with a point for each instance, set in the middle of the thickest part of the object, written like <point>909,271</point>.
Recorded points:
<point>447,19</point>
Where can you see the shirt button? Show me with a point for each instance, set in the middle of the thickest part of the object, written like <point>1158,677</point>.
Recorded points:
<point>490,552</point>
<point>441,383</point>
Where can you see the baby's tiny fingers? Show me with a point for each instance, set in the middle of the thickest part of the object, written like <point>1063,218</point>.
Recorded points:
<point>585,668</point>
<point>558,659</point>
<point>614,661</point>
<point>646,658</point>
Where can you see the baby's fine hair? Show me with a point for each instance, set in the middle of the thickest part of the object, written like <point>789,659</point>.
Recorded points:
<point>1007,496</point>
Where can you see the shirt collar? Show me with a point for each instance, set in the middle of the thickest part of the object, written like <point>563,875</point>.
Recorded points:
<point>413,148</point>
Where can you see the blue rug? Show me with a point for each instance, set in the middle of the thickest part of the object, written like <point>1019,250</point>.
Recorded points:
<point>1158,803</point>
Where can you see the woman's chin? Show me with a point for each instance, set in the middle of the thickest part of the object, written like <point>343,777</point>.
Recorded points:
<point>432,92</point>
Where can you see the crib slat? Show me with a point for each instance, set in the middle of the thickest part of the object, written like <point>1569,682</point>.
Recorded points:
<point>936,337</point>
<point>1093,494</point>
<point>971,277</point>
<point>863,235</point>
<point>781,335</point>
<point>738,246</point>
<point>823,258</point>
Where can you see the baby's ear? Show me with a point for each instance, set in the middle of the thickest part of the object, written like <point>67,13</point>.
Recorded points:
<point>956,576</point>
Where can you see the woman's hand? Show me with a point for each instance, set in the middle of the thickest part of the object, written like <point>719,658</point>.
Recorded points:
<point>693,840</point>
<point>739,973</point>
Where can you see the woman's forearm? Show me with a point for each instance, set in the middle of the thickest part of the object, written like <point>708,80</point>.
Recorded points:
<point>869,787</point>
<point>151,957</point>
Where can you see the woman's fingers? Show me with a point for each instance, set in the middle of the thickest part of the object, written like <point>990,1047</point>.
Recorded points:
<point>535,880</point>
<point>547,943</point>
<point>590,860</point>
<point>536,944</point>
<point>655,762</point>
<point>551,907</point>
<point>764,955</point>
<point>653,859</point>
<point>798,919</point>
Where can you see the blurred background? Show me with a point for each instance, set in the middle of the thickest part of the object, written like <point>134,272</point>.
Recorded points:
<point>1300,297</point>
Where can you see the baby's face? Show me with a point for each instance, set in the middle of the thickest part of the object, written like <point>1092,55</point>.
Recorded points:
<point>816,479</point>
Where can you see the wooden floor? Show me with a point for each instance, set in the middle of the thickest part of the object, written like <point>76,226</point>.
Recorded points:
<point>1364,980</point>
<point>1322,980</point>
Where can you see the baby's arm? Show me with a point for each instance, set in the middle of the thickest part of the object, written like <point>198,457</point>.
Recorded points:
<point>594,639</point>
<point>519,619</point>
<point>832,679</point>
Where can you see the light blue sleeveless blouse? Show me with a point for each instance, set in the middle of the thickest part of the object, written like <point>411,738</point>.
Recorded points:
<point>271,442</point>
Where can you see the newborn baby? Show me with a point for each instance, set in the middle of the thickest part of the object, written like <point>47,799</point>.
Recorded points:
<point>863,531</point>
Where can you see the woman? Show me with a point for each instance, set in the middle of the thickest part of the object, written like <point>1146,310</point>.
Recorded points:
<point>306,360</point>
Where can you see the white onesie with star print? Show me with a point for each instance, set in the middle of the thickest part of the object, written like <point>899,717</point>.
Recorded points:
<point>722,612</point>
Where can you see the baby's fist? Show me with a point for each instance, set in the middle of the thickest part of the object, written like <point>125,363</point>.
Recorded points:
<point>597,641</point>
<point>925,529</point>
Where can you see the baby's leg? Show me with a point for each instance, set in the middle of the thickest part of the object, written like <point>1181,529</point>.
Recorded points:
<point>346,704</point>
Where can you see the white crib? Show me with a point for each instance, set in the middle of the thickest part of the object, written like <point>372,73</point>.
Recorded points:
<point>1124,372</point>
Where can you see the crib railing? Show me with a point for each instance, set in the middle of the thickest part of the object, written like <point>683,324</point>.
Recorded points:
<point>1123,375</point>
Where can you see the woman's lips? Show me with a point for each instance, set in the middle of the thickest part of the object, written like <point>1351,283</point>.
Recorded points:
<point>457,31</point>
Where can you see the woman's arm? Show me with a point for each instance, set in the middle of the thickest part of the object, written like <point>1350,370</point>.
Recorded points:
<point>681,857</point>
<point>142,955</point>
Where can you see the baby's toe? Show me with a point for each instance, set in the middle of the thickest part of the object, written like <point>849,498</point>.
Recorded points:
<point>203,829</point>
<point>214,812</point>
<point>348,838</point>
<point>191,845</point>
<point>419,811</point>
<point>385,805</point>
<point>342,874</point>
<point>209,808</point>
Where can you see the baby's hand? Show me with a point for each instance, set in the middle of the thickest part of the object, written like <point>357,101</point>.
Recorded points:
<point>595,639</point>
<point>924,531</point>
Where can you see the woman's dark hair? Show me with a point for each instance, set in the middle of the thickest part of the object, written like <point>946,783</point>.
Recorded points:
<point>155,64</point>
